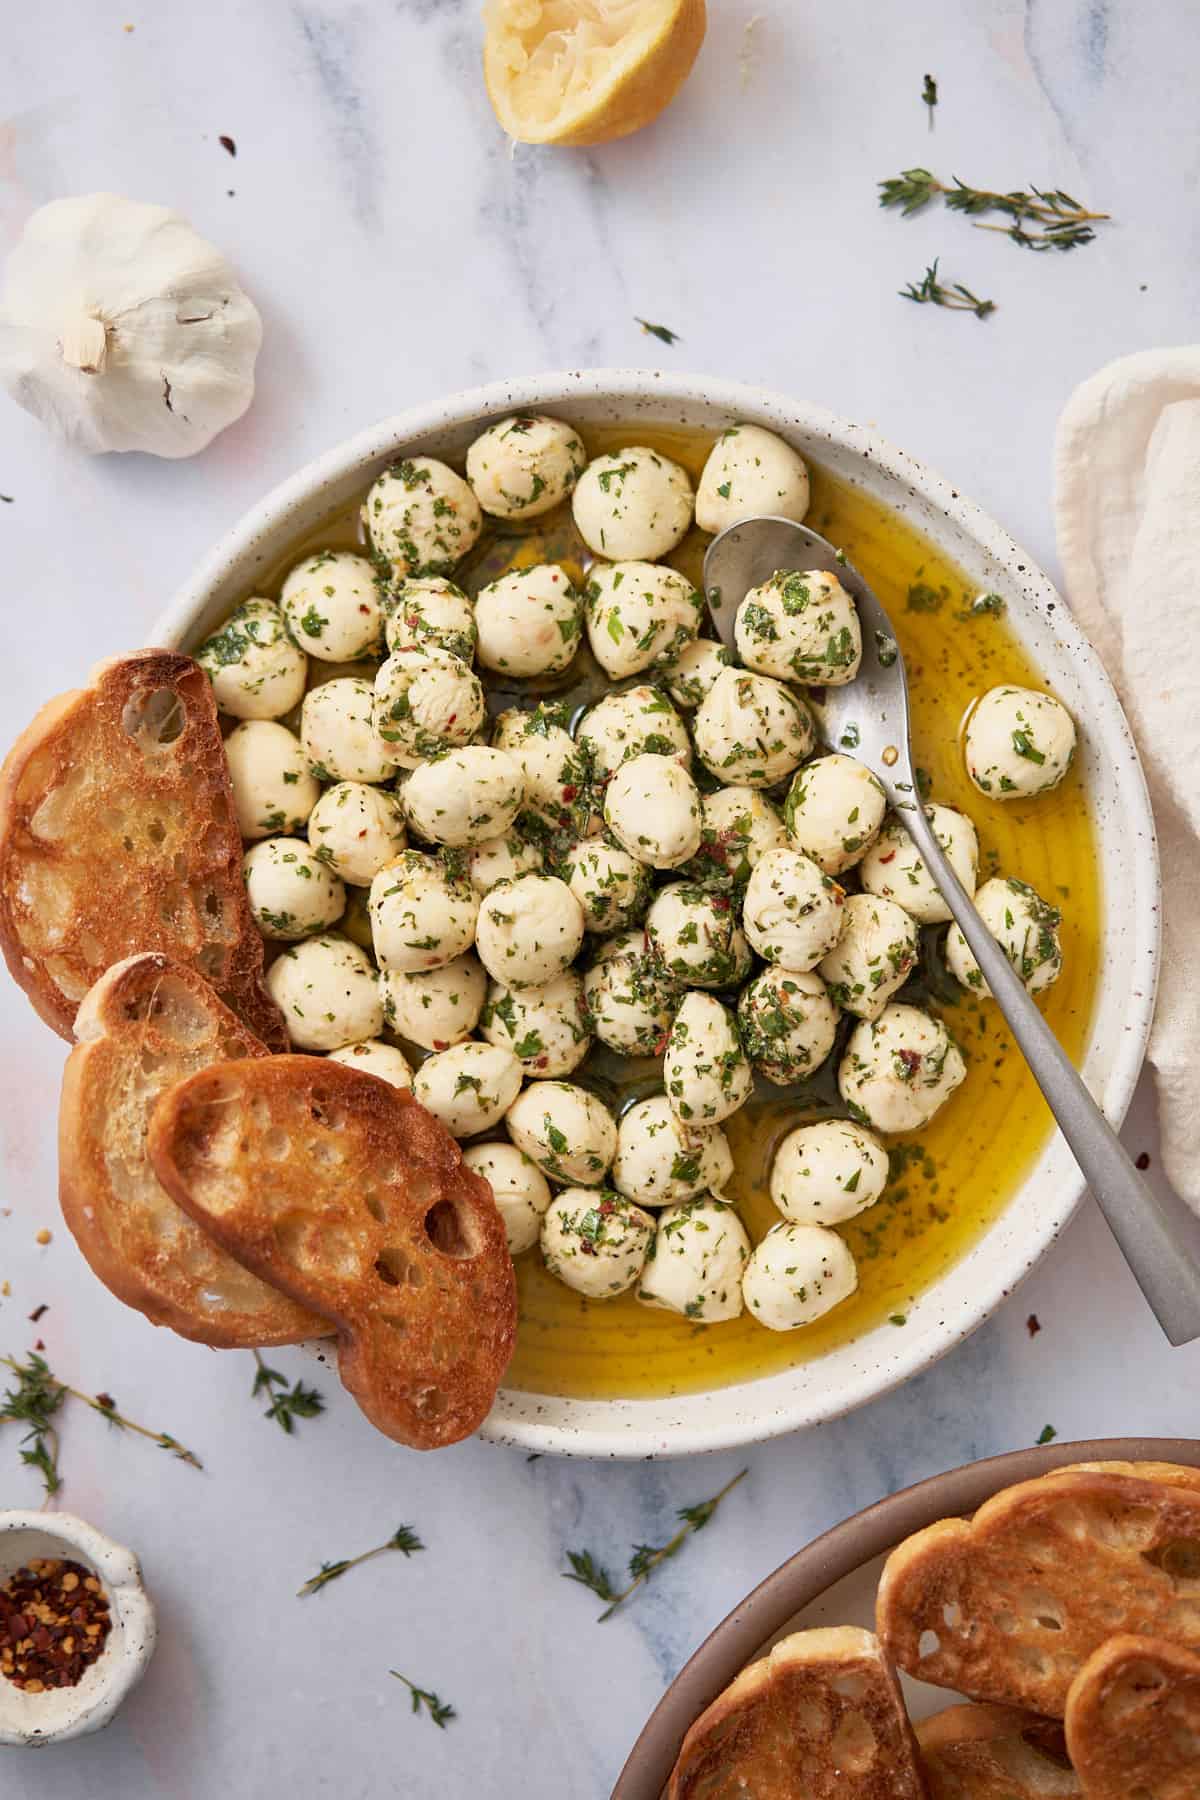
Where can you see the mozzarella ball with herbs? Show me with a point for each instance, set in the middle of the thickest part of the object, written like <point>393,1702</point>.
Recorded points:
<point>834,811</point>
<point>273,787</point>
<point>696,1261</point>
<point>435,1008</point>
<point>793,912</point>
<point>529,931</point>
<point>328,993</point>
<point>546,1028</point>
<point>827,1173</point>
<point>530,622</point>
<point>421,517</point>
<point>520,1190</point>
<point>639,613</point>
<point>750,731</point>
<point>1018,743</point>
<point>354,829</point>
<point>800,626</point>
<point>788,1024</point>
<point>374,1057</point>
<point>632,504</point>
<point>796,1275</point>
<point>431,613</point>
<point>597,1243</point>
<point>426,701</point>
<point>1026,928</point>
<point>469,1087</point>
<point>421,915</point>
<point>337,731</point>
<point>464,797</point>
<point>638,722</point>
<point>630,1000</point>
<point>900,1069</point>
<point>503,859</point>
<point>750,472</point>
<point>652,808</point>
<point>556,788</point>
<point>705,1071</point>
<point>661,1163</point>
<point>331,604</point>
<point>565,1130</point>
<point>873,958</point>
<point>612,887</point>
<point>894,869</point>
<point>694,935</point>
<point>739,827</point>
<point>690,675</point>
<point>291,892</point>
<point>523,466</point>
<point>256,670</point>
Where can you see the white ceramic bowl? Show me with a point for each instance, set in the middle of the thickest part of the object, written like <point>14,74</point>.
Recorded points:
<point>982,1279</point>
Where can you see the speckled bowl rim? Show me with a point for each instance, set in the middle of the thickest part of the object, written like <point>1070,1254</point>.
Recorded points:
<point>805,1577</point>
<point>972,1288</point>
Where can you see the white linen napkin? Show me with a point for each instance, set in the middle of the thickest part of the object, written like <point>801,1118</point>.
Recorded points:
<point>1127,504</point>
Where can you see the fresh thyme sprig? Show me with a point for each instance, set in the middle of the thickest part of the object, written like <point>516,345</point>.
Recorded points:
<point>646,1557</point>
<point>437,1709</point>
<point>1059,221</point>
<point>288,1405</point>
<point>930,96</point>
<point>663,333</point>
<point>404,1539</point>
<point>930,291</point>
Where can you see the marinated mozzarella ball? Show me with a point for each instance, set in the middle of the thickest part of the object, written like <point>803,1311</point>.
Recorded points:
<point>632,504</point>
<point>530,622</point>
<point>338,733</point>
<point>529,931</point>
<point>431,613</point>
<point>705,1072</point>
<point>793,912</point>
<point>1018,743</point>
<point>800,627</point>
<point>464,796</point>
<point>331,604</point>
<point>690,675</point>
<point>696,1261</point>
<point>796,1274</point>
<point>1023,924</point>
<point>435,1007</point>
<point>653,810</point>
<point>694,935</point>
<point>750,730</point>
<point>273,789</point>
<point>376,1058</point>
<point>525,465</point>
<point>827,1173</point>
<point>739,827</point>
<point>291,893</point>
<point>256,671</point>
<point>639,722</point>
<point>421,916</point>
<point>556,788</point>
<point>503,859</point>
<point>546,1028</point>
<point>422,517</point>
<point>750,472</point>
<point>788,1024</point>
<point>565,1130</point>
<point>328,993</point>
<point>659,1163</point>
<point>469,1087</point>
<point>639,613</point>
<point>630,1001</point>
<point>426,701</point>
<point>874,956</point>
<point>893,868</point>
<point>612,887</point>
<point>834,811</point>
<point>354,829</point>
<point>520,1190</point>
<point>597,1243</point>
<point>900,1068</point>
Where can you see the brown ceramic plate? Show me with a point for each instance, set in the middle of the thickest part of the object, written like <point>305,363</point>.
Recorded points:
<point>832,1582</point>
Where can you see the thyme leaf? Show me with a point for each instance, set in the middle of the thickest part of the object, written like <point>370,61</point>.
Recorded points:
<point>35,1399</point>
<point>663,333</point>
<point>404,1539</point>
<point>1041,218</point>
<point>288,1405</point>
<point>930,290</point>
<point>437,1709</point>
<point>929,95</point>
<point>646,1558</point>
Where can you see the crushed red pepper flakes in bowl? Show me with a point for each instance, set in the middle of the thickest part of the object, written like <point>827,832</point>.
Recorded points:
<point>54,1622</point>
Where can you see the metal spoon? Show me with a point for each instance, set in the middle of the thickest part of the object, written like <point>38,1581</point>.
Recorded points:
<point>876,706</point>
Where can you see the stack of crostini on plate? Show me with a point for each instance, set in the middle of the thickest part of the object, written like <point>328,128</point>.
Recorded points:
<point>1067,1610</point>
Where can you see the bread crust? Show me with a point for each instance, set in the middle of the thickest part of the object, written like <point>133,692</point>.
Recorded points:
<point>118,834</point>
<point>346,1194</point>
<point>995,1753</point>
<point>1133,1720</point>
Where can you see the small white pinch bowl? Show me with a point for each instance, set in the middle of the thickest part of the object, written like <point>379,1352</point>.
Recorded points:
<point>29,1721</point>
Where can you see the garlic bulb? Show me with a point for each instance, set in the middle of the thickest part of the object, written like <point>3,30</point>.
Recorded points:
<point>122,329</point>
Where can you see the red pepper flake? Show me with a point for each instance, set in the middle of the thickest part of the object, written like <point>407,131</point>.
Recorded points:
<point>720,903</point>
<point>54,1620</point>
<point>606,1207</point>
<point>37,1312</point>
<point>890,857</point>
<point>911,1060</point>
<point>1033,1324</point>
<point>106,1402</point>
<point>569,794</point>
<point>227,143</point>
<point>1143,1161</point>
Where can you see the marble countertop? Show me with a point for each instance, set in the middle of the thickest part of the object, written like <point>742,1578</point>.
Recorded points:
<point>397,250</point>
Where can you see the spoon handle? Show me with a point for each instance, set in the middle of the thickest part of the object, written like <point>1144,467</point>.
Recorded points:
<point>1149,1239</point>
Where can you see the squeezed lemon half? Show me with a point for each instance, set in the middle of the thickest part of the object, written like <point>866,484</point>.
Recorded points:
<point>585,71</point>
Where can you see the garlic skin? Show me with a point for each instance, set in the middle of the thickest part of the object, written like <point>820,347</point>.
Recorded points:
<point>121,328</point>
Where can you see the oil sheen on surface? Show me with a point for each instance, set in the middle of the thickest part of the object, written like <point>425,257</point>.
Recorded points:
<point>949,1181</point>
